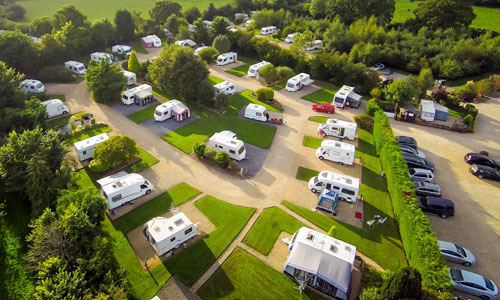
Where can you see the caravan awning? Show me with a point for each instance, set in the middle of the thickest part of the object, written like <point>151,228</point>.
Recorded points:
<point>308,82</point>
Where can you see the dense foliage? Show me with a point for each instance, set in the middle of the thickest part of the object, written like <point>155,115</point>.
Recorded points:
<point>105,81</point>
<point>114,152</point>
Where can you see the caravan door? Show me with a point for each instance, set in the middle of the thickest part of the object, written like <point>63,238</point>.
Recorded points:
<point>342,132</point>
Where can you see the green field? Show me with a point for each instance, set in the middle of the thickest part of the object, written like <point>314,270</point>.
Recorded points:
<point>85,134</point>
<point>323,95</point>
<point>305,174</point>
<point>312,142</point>
<point>238,101</point>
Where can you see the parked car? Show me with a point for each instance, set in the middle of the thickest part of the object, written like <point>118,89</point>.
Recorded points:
<point>327,108</point>
<point>377,67</point>
<point>455,253</point>
<point>410,150</point>
<point>414,161</point>
<point>437,206</point>
<point>480,159</point>
<point>423,188</point>
<point>485,172</point>
<point>406,140</point>
<point>473,284</point>
<point>417,174</point>
<point>386,71</point>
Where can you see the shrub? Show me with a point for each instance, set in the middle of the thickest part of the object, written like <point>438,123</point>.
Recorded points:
<point>439,95</point>
<point>284,73</point>
<point>405,283</point>
<point>209,152</point>
<point>56,74</point>
<point>222,159</point>
<point>222,43</point>
<point>371,107</point>
<point>265,94</point>
<point>114,152</point>
<point>268,73</point>
<point>468,120</point>
<point>466,97</point>
<point>208,54</point>
<point>125,65</point>
<point>15,12</point>
<point>221,102</point>
<point>377,93</point>
<point>364,122</point>
<point>472,110</point>
<point>199,149</point>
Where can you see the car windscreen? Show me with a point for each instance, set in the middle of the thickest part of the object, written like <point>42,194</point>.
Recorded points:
<point>456,274</point>
<point>290,85</point>
<point>489,284</point>
<point>158,113</point>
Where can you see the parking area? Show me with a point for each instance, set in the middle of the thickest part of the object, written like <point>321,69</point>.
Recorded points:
<point>164,127</point>
<point>132,108</point>
<point>256,158</point>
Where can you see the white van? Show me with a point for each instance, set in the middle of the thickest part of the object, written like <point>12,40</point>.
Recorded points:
<point>100,56</point>
<point>268,30</point>
<point>121,188</point>
<point>339,128</point>
<point>32,86</point>
<point>289,38</point>
<point>298,81</point>
<point>339,152</point>
<point>55,107</point>
<point>231,145</point>
<point>226,58</point>
<point>122,49</point>
<point>226,88</point>
<point>256,112</point>
<point>85,149</point>
<point>253,71</point>
<point>198,50</point>
<point>346,187</point>
<point>131,77</point>
<point>75,67</point>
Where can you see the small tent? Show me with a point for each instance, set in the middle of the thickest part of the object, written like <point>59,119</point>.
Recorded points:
<point>441,112</point>
<point>328,201</point>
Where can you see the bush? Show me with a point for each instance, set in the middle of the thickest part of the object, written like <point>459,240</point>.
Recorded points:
<point>222,43</point>
<point>364,122</point>
<point>284,73</point>
<point>125,65</point>
<point>472,110</point>
<point>468,120</point>
<point>222,159</point>
<point>405,283</point>
<point>208,54</point>
<point>56,74</point>
<point>265,94</point>
<point>15,12</point>
<point>268,73</point>
<point>221,102</point>
<point>199,149</point>
<point>209,152</point>
<point>371,107</point>
<point>114,152</point>
<point>377,93</point>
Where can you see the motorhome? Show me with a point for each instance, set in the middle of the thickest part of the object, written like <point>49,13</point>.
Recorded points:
<point>122,49</point>
<point>342,153</point>
<point>346,97</point>
<point>173,108</point>
<point>32,86</point>
<point>131,77</point>
<point>253,71</point>
<point>166,234</point>
<point>151,41</point>
<point>314,45</point>
<point>75,67</point>
<point>298,81</point>
<point>100,56</point>
<point>338,128</point>
<point>226,58</point>
<point>268,30</point>
<point>122,188</point>
<point>226,88</point>
<point>346,187</point>
<point>85,149</point>
<point>140,95</point>
<point>198,50</point>
<point>186,43</point>
<point>232,146</point>
<point>290,38</point>
<point>256,112</point>
<point>55,107</point>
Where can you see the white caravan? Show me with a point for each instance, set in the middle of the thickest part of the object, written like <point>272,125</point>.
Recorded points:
<point>32,86</point>
<point>298,81</point>
<point>226,58</point>
<point>339,128</point>
<point>121,188</point>
<point>256,112</point>
<point>164,111</point>
<point>314,45</point>
<point>198,50</point>
<point>151,41</point>
<point>186,43</point>
<point>347,97</point>
<point>268,30</point>
<point>166,234</point>
<point>339,152</point>
<point>100,56</point>
<point>346,187</point>
<point>241,16</point>
<point>55,107</point>
<point>128,96</point>
<point>131,77</point>
<point>248,22</point>
<point>207,23</point>
<point>75,67</point>
<point>191,28</point>
<point>85,149</point>
<point>223,142</point>
<point>122,49</point>
<point>226,88</point>
<point>290,38</point>
<point>253,71</point>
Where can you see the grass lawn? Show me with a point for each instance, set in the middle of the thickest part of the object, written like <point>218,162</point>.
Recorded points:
<point>312,142</point>
<point>280,85</point>
<point>98,129</point>
<point>137,46</point>
<point>86,179</point>
<point>268,228</point>
<point>229,219</point>
<point>58,122</point>
<point>147,160</point>
<point>243,276</point>
<point>324,95</point>
<point>243,69</point>
<point>454,113</point>
<point>147,113</point>
<point>318,119</point>
<point>238,101</point>
<point>305,174</point>
<point>214,80</point>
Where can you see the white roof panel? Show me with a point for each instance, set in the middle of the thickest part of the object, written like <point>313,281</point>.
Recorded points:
<point>162,228</point>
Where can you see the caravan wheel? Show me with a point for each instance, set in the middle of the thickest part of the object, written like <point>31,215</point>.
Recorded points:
<point>148,192</point>
<point>321,158</point>
<point>341,163</point>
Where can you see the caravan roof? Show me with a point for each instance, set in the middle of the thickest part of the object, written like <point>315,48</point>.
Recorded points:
<point>223,85</point>
<point>150,38</point>
<point>258,66</point>
<point>162,228</point>
<point>337,177</point>
<point>169,105</point>
<point>119,181</point>
<point>342,123</point>
<point>337,145</point>
<point>257,107</point>
<point>348,91</point>
<point>50,102</point>
<point>427,106</point>
<point>225,138</point>
<point>299,77</point>
<point>91,141</point>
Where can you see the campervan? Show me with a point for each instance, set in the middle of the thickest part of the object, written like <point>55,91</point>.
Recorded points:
<point>346,187</point>
<point>122,49</point>
<point>75,67</point>
<point>338,128</point>
<point>347,97</point>
<point>166,234</point>
<point>85,149</point>
<point>314,45</point>
<point>55,108</point>
<point>131,77</point>
<point>256,112</point>
<point>32,86</point>
<point>253,71</point>
<point>232,146</point>
<point>226,88</point>
<point>198,50</point>
<point>268,30</point>
<point>226,58</point>
<point>133,95</point>
<point>289,38</point>
<point>121,188</point>
<point>100,56</point>
<point>164,111</point>
<point>298,81</point>
<point>342,153</point>
<point>186,43</point>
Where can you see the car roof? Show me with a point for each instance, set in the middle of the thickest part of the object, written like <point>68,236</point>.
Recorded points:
<point>420,170</point>
<point>447,246</point>
<point>473,277</point>
<point>426,184</point>
<point>479,156</point>
<point>439,200</point>
<point>485,168</point>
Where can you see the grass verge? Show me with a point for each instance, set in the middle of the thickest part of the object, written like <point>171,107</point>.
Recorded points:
<point>318,119</point>
<point>238,101</point>
<point>243,69</point>
<point>214,80</point>
<point>305,174</point>
<point>279,86</point>
<point>323,95</point>
<point>58,122</point>
<point>137,46</point>
<point>147,160</point>
<point>312,142</point>
<point>85,134</point>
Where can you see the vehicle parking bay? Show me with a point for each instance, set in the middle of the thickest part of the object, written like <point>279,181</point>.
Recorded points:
<point>164,127</point>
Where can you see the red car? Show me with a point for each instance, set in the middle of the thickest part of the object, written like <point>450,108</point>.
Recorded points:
<point>327,108</point>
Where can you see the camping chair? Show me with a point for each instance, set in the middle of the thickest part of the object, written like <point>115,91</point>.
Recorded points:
<point>370,223</point>
<point>382,221</point>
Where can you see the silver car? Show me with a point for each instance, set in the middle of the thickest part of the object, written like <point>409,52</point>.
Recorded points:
<point>455,253</point>
<point>474,284</point>
<point>423,188</point>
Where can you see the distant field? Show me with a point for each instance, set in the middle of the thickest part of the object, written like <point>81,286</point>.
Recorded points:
<point>487,18</point>
<point>97,10</point>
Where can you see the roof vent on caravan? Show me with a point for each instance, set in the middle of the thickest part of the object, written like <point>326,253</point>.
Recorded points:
<point>310,236</point>
<point>157,229</point>
<point>179,222</point>
<point>170,228</point>
<point>334,249</point>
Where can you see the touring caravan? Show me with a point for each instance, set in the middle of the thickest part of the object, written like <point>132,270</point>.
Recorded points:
<point>140,95</point>
<point>347,97</point>
<point>298,81</point>
<point>100,56</point>
<point>253,71</point>
<point>131,77</point>
<point>232,146</point>
<point>198,50</point>
<point>226,58</point>
<point>314,45</point>
<point>290,38</point>
<point>186,43</point>
<point>75,67</point>
<point>166,234</point>
<point>191,28</point>
<point>173,108</point>
<point>85,148</point>
<point>151,41</point>
<point>338,128</point>
<point>249,22</point>
<point>32,86</point>
<point>241,16</point>
<point>342,153</point>
<point>55,108</point>
<point>122,49</point>
<point>121,188</point>
<point>225,87</point>
<point>268,30</point>
<point>256,112</point>
<point>207,23</point>
<point>346,187</point>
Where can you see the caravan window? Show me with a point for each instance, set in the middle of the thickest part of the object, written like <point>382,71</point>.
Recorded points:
<point>220,147</point>
<point>241,150</point>
<point>125,97</point>
<point>84,152</point>
<point>291,85</point>
<point>232,151</point>
<point>143,186</point>
<point>158,113</point>
<point>116,198</point>
<point>258,114</point>
<point>348,192</point>
<point>172,239</point>
<point>339,100</point>
<point>188,231</point>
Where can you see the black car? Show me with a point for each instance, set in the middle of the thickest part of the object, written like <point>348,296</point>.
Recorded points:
<point>437,206</point>
<point>480,159</point>
<point>414,161</point>
<point>424,188</point>
<point>406,140</point>
<point>485,172</point>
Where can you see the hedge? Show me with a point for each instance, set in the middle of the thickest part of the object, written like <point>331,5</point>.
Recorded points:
<point>419,240</point>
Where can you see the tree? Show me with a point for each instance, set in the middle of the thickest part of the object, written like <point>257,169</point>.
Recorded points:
<point>192,14</point>
<point>268,73</point>
<point>222,159</point>
<point>210,13</point>
<point>18,51</point>
<point>32,115</point>
<point>184,33</point>
<point>301,41</point>
<point>208,54</point>
<point>284,72</point>
<point>243,5</point>
<point>164,9</point>
<point>317,9</point>
<point>133,63</point>
<point>101,34</point>
<point>41,25</point>
<point>405,283</point>
<point>222,44</point>
<point>200,34</point>
<point>174,22</point>
<point>221,102</point>
<point>15,12</point>
<point>218,26</point>
<point>69,13</point>
<point>105,81</point>
<point>52,51</point>
<point>205,93</point>
<point>425,81</point>
<point>75,38</point>
<point>350,11</point>
<point>445,13</point>
<point>400,91</point>
<point>124,25</point>
<point>114,152</point>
